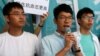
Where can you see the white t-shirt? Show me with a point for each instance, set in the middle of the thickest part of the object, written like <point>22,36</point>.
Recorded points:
<point>26,44</point>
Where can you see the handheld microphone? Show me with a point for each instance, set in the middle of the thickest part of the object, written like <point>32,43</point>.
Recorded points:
<point>68,30</point>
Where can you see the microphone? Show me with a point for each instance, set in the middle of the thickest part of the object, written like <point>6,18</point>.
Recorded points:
<point>74,50</point>
<point>68,30</point>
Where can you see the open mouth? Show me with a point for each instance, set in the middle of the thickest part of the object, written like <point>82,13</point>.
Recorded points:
<point>66,26</point>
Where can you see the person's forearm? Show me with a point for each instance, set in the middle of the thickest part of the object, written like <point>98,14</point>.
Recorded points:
<point>38,28</point>
<point>77,51</point>
<point>63,52</point>
<point>78,54</point>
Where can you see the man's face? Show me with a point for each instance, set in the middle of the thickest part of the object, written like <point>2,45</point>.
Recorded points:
<point>16,17</point>
<point>64,20</point>
<point>86,21</point>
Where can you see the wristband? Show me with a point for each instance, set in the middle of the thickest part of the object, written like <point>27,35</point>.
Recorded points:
<point>40,25</point>
<point>77,51</point>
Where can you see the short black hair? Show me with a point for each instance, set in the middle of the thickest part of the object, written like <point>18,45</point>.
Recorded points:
<point>8,7</point>
<point>62,8</point>
<point>85,10</point>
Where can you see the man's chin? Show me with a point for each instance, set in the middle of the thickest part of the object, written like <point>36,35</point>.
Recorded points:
<point>21,26</point>
<point>89,28</point>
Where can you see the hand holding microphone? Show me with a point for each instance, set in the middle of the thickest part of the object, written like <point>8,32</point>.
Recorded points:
<point>71,40</point>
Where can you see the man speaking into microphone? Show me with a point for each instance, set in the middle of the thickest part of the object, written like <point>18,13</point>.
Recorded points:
<point>62,42</point>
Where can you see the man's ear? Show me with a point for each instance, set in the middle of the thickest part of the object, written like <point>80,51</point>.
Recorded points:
<point>79,21</point>
<point>7,18</point>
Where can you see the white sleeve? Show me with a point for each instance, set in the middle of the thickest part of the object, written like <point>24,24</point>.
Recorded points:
<point>0,41</point>
<point>37,47</point>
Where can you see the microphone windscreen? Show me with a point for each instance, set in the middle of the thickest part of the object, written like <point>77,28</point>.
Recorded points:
<point>68,30</point>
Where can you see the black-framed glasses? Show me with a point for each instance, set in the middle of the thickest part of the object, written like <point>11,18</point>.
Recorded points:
<point>88,17</point>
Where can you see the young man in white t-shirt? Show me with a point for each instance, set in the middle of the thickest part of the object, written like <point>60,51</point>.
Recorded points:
<point>16,42</point>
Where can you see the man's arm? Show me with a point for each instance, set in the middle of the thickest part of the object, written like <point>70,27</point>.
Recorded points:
<point>77,50</point>
<point>68,45</point>
<point>70,42</point>
<point>40,25</point>
<point>63,51</point>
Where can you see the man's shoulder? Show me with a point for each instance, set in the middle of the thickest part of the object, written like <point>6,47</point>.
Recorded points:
<point>3,34</point>
<point>30,34</point>
<point>31,37</point>
<point>49,40</point>
<point>94,35</point>
<point>48,37</point>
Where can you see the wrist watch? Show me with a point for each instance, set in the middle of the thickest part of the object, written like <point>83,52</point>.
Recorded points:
<point>77,51</point>
<point>40,25</point>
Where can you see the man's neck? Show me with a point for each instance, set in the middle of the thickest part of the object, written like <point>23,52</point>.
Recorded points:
<point>84,31</point>
<point>61,32</point>
<point>15,31</point>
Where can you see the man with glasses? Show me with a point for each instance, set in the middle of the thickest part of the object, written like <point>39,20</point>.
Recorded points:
<point>16,42</point>
<point>88,41</point>
<point>60,43</point>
